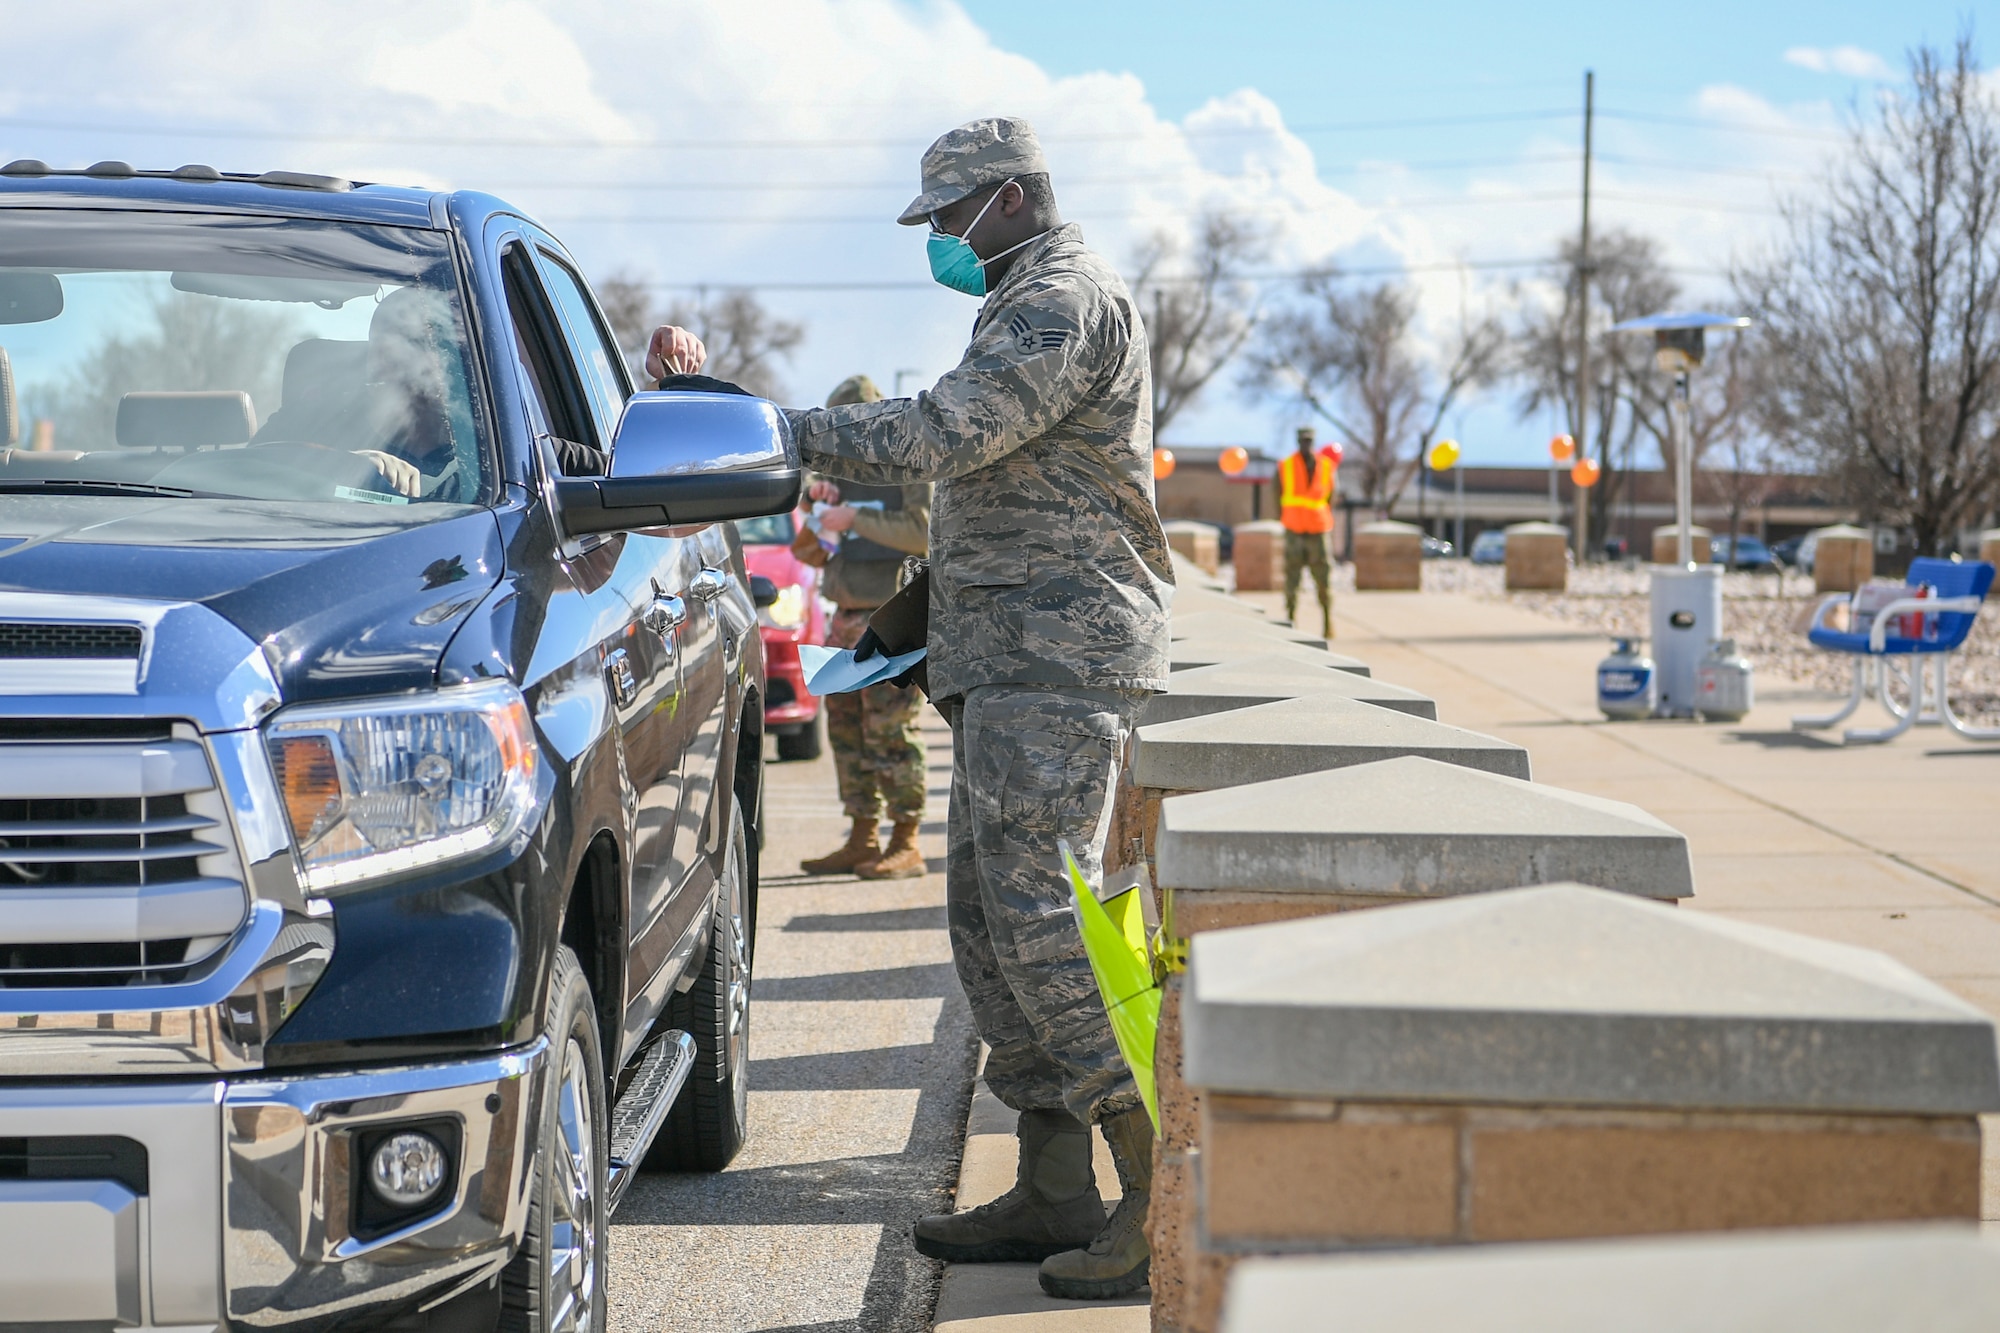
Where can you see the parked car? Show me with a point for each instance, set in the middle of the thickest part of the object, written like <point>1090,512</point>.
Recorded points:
<point>381,805</point>
<point>1791,552</point>
<point>1751,553</point>
<point>1490,547</point>
<point>1437,548</point>
<point>795,616</point>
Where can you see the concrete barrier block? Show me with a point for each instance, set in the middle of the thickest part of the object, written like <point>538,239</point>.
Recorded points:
<point>1402,829</point>
<point>1257,549</point>
<point>1564,1062</point>
<point>1191,598</point>
<point>1667,544</point>
<point>1571,995</point>
<point>1216,650</point>
<point>1226,624</point>
<point>1267,678</point>
<point>1537,557</point>
<point>1199,542</point>
<point>1843,558</point>
<point>1989,546</point>
<point>1388,557</point>
<point>1306,735</point>
<point>1849,1280</point>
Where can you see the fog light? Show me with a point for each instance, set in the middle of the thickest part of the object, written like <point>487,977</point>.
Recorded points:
<point>407,1168</point>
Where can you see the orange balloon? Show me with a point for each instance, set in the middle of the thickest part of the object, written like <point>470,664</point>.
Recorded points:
<point>1562,448</point>
<point>1163,464</point>
<point>1234,459</point>
<point>1586,472</point>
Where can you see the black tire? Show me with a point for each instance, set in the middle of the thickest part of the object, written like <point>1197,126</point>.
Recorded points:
<point>803,744</point>
<point>542,1290</point>
<point>710,1118</point>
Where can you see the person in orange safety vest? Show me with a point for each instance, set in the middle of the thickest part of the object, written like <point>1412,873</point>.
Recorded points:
<point>1305,507</point>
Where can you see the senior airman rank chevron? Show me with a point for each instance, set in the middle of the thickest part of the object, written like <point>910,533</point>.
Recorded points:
<point>1029,339</point>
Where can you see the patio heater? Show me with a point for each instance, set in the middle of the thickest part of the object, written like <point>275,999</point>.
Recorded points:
<point>1686,595</point>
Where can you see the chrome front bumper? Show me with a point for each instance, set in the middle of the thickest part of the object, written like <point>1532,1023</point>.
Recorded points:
<point>245,1213</point>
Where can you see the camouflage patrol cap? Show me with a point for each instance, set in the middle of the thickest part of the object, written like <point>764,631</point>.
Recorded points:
<point>854,389</point>
<point>971,157</point>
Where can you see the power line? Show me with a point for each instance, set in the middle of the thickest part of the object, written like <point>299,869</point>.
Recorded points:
<point>648,141</point>
<point>1695,122</point>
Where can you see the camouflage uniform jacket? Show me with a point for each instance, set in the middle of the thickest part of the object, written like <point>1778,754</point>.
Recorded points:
<point>1047,560</point>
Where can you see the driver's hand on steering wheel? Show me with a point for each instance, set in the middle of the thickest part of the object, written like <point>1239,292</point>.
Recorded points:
<point>401,475</point>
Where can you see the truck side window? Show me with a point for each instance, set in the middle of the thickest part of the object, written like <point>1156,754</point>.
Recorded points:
<point>597,357</point>
<point>547,379</point>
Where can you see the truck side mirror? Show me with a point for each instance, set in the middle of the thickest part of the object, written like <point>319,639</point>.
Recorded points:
<point>681,458</point>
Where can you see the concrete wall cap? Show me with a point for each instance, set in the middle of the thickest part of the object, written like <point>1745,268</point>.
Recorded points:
<point>1224,624</point>
<point>1389,526</point>
<point>1566,995</point>
<point>1939,1278</point>
<point>1305,735</point>
<point>1215,650</point>
<point>1270,525</point>
<point>1843,530</point>
<point>1267,678</point>
<point>1537,529</point>
<point>1190,597</point>
<point>1414,827</point>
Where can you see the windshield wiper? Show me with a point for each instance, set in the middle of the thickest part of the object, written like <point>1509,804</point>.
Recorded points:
<point>86,486</point>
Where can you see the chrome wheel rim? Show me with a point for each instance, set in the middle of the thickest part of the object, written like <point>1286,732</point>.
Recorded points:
<point>572,1286</point>
<point>738,993</point>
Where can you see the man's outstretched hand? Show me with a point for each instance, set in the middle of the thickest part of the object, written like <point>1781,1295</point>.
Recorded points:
<point>674,351</point>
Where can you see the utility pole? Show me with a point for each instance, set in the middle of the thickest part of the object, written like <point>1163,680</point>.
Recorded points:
<point>1583,318</point>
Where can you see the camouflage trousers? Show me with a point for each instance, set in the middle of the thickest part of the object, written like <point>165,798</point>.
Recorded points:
<point>1303,551</point>
<point>878,750</point>
<point>1031,765</point>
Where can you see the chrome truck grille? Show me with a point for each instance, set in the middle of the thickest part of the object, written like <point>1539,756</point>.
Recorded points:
<point>117,863</point>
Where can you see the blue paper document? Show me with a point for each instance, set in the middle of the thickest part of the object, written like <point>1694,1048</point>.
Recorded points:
<point>834,670</point>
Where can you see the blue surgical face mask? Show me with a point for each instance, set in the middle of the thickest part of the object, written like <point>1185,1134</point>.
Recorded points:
<point>953,261</point>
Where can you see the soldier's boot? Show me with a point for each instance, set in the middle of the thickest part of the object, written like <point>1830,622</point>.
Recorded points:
<point>1054,1205</point>
<point>900,859</point>
<point>863,846</point>
<point>1118,1260</point>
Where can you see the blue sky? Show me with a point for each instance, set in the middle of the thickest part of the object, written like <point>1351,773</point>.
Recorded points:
<point>769,143</point>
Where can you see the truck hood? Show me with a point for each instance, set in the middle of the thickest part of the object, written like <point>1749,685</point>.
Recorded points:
<point>343,602</point>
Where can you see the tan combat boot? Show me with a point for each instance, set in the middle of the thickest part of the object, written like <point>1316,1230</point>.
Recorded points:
<point>901,859</point>
<point>1054,1205</point>
<point>862,847</point>
<point>1118,1261</point>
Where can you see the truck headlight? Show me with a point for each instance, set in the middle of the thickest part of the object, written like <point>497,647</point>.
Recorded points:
<point>389,785</point>
<point>789,611</point>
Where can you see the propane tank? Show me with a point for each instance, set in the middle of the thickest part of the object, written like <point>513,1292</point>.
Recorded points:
<point>1628,686</point>
<point>1722,685</point>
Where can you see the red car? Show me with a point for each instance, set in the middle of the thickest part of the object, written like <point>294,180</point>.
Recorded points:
<point>797,616</point>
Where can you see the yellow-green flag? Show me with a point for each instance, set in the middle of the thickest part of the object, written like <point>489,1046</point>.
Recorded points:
<point>1114,936</point>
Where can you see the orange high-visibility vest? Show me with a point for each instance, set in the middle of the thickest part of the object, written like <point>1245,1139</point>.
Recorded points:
<point>1305,503</point>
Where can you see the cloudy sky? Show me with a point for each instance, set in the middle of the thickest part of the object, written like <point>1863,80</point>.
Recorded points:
<point>770,143</point>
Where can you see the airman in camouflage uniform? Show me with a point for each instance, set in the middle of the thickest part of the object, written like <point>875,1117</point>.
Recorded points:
<point>878,748</point>
<point>1050,580</point>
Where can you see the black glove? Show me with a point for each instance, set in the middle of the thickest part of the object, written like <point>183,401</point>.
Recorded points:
<point>902,625</point>
<point>867,645</point>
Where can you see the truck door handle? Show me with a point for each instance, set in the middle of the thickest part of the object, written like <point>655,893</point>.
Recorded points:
<point>708,585</point>
<point>624,681</point>
<point>666,615</point>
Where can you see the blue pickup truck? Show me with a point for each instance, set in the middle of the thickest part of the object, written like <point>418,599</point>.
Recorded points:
<point>380,747</point>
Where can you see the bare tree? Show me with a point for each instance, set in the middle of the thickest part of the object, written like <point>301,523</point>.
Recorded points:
<point>1881,307</point>
<point>1628,279</point>
<point>745,340</point>
<point>1198,307</point>
<point>1353,359</point>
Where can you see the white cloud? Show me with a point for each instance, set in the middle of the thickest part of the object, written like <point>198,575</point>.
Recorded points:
<point>1851,61</point>
<point>773,141</point>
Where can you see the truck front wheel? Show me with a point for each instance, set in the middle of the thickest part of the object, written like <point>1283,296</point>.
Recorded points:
<point>556,1283</point>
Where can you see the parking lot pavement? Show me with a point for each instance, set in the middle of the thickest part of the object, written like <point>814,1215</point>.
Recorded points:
<point>861,1064</point>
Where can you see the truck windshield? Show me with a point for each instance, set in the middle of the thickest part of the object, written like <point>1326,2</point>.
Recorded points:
<point>257,358</point>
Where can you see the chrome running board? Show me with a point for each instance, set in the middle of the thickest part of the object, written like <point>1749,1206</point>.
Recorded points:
<point>636,1119</point>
